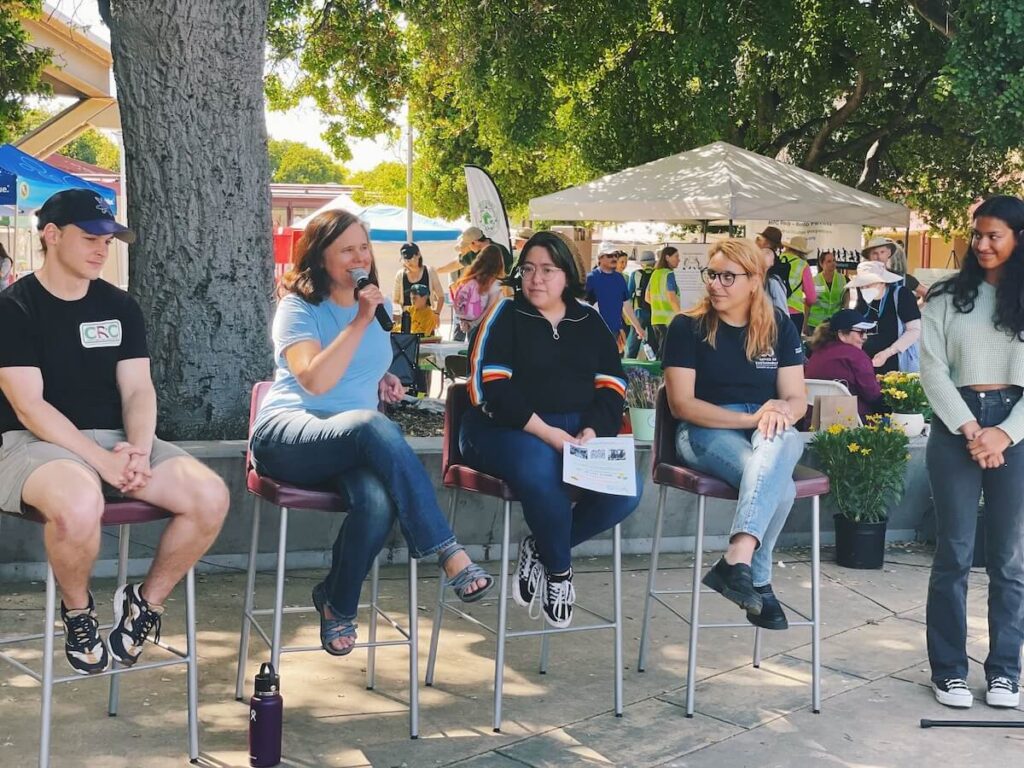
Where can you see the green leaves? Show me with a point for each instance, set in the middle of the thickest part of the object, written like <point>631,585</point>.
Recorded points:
<point>296,163</point>
<point>21,65</point>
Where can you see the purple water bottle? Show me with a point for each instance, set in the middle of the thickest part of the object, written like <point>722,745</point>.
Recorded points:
<point>266,709</point>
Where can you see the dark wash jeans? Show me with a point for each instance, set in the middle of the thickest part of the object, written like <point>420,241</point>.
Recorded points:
<point>533,470</point>
<point>957,482</point>
<point>363,455</point>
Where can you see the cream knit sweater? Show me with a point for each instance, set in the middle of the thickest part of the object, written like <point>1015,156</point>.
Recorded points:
<point>960,350</point>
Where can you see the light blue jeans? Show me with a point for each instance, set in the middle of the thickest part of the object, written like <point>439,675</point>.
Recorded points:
<point>761,469</point>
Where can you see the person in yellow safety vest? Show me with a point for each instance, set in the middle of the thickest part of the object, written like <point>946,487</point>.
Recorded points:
<point>802,293</point>
<point>829,285</point>
<point>663,294</point>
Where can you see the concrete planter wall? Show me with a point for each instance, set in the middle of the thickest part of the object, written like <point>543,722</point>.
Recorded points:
<point>478,522</point>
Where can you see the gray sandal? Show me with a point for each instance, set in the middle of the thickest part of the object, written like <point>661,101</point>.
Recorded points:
<point>466,578</point>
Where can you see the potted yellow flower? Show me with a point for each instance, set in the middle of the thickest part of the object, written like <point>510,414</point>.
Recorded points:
<point>866,468</point>
<point>904,395</point>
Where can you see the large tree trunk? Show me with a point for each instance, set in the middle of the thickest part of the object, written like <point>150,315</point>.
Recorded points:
<point>190,88</point>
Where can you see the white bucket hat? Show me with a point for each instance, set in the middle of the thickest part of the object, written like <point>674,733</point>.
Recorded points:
<point>871,272</point>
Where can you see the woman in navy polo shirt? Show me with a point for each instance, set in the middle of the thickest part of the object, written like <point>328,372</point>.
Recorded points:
<point>735,379</point>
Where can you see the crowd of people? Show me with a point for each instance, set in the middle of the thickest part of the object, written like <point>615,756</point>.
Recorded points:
<point>78,410</point>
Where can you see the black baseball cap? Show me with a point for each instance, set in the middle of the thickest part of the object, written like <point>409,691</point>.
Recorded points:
<point>84,208</point>
<point>409,250</point>
<point>419,289</point>
<point>850,320</point>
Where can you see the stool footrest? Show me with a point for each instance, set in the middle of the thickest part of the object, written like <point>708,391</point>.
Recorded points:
<point>559,630</point>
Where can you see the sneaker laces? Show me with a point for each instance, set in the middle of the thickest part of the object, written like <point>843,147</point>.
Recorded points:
<point>147,621</point>
<point>558,597</point>
<point>1001,684</point>
<point>82,629</point>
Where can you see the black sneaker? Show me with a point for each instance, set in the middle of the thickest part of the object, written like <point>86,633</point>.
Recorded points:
<point>557,596</point>
<point>1002,692</point>
<point>953,692</point>
<point>87,653</point>
<point>772,616</point>
<point>529,573</point>
<point>735,583</point>
<point>134,620</point>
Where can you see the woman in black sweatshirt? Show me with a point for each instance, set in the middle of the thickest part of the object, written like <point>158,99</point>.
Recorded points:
<point>545,371</point>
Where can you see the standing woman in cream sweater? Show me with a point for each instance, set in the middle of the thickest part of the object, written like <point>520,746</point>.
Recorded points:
<point>972,370</point>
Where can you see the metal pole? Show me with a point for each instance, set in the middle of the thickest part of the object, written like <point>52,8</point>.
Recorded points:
<point>408,173</point>
<point>971,723</point>
<point>704,231</point>
<point>730,228</point>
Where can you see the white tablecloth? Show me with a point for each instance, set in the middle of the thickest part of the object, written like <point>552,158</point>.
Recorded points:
<point>438,351</point>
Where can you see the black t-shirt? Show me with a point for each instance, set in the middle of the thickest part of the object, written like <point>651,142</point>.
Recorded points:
<point>897,299</point>
<point>75,344</point>
<point>724,375</point>
<point>406,285</point>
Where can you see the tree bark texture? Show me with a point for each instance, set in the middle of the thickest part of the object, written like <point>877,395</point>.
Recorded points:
<point>190,86</point>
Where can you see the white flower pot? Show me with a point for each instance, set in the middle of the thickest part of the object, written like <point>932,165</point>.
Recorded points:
<point>642,421</point>
<point>911,423</point>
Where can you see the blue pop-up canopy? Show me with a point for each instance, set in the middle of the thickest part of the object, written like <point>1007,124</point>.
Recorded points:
<point>387,225</point>
<point>27,183</point>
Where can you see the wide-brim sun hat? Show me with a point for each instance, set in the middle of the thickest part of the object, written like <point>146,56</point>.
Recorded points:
<point>871,272</point>
<point>798,244</point>
<point>878,242</point>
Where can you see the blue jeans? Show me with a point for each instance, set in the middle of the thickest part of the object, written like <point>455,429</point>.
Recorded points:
<point>957,483</point>
<point>364,456</point>
<point>533,470</point>
<point>761,469</point>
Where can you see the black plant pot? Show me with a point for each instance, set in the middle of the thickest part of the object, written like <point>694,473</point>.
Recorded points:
<point>859,545</point>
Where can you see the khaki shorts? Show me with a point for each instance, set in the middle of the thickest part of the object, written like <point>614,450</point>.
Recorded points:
<point>23,453</point>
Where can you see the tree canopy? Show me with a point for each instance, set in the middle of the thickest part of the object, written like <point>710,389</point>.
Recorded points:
<point>917,101</point>
<point>297,163</point>
<point>21,65</point>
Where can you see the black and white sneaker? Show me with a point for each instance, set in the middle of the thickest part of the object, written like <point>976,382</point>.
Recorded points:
<point>529,573</point>
<point>953,692</point>
<point>134,621</point>
<point>87,654</point>
<point>556,596</point>
<point>1002,692</point>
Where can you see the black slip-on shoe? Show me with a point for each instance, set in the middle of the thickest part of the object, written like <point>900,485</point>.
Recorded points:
<point>772,616</point>
<point>735,583</point>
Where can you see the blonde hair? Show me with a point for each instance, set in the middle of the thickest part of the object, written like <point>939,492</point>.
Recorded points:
<point>762,329</point>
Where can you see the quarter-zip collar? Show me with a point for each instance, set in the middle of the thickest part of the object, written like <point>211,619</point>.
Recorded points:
<point>575,312</point>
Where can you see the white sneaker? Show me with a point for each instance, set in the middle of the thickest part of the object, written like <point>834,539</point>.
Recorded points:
<point>953,693</point>
<point>1002,692</point>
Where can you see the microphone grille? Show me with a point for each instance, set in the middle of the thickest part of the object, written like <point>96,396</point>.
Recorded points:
<point>359,274</point>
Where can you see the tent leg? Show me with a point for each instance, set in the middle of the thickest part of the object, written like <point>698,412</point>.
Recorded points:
<point>704,231</point>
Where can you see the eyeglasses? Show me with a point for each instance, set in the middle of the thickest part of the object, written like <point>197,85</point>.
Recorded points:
<point>546,272</point>
<point>725,278</point>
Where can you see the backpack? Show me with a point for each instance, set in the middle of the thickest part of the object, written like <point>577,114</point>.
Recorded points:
<point>909,359</point>
<point>781,269</point>
<point>467,301</point>
<point>640,289</point>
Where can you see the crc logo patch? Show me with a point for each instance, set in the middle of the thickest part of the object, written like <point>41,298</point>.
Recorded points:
<point>105,333</point>
<point>488,217</point>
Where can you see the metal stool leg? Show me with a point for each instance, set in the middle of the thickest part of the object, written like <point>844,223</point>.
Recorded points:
<point>815,605</point>
<point>691,661</point>
<point>617,598</point>
<point>652,575</point>
<point>757,647</point>
<point>123,538</point>
<point>282,543</point>
<point>249,601</point>
<point>442,585</point>
<point>414,653</point>
<point>545,651</point>
<point>192,665</point>
<point>499,657</point>
<point>47,681</point>
<point>371,652</point>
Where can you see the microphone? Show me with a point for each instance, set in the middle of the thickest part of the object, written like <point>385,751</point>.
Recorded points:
<point>362,279</point>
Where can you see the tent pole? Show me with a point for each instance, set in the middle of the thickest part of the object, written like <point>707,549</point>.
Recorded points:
<point>730,228</point>
<point>704,231</point>
<point>408,173</point>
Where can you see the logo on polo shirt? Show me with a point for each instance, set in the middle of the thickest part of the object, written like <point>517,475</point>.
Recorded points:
<point>105,333</point>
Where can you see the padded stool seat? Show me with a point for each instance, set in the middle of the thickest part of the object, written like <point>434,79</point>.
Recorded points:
<point>116,512</point>
<point>283,494</point>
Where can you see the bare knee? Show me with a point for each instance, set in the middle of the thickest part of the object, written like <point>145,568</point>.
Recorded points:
<point>74,512</point>
<point>209,501</point>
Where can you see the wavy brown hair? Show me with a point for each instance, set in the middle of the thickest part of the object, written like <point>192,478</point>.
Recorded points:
<point>488,266</point>
<point>762,329</point>
<point>307,276</point>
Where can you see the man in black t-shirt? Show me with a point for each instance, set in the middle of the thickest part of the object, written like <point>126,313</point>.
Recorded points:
<point>78,417</point>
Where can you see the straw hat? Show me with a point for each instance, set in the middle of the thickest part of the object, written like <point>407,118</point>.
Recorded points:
<point>871,272</point>
<point>798,244</point>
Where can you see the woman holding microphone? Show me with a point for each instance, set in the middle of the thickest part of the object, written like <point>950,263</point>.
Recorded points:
<point>319,423</point>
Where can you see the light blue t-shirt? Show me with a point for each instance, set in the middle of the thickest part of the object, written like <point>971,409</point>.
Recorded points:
<point>297,320</point>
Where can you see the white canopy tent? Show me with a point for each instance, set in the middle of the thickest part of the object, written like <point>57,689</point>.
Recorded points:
<point>718,182</point>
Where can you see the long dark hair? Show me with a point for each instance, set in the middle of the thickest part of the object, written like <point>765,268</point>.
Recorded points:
<point>663,254</point>
<point>488,266</point>
<point>307,276</point>
<point>562,258</point>
<point>963,286</point>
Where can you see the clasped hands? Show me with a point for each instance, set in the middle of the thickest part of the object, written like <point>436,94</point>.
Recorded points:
<point>986,444</point>
<point>127,467</point>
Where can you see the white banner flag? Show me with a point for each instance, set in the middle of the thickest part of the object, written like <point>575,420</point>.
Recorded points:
<point>486,209</point>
